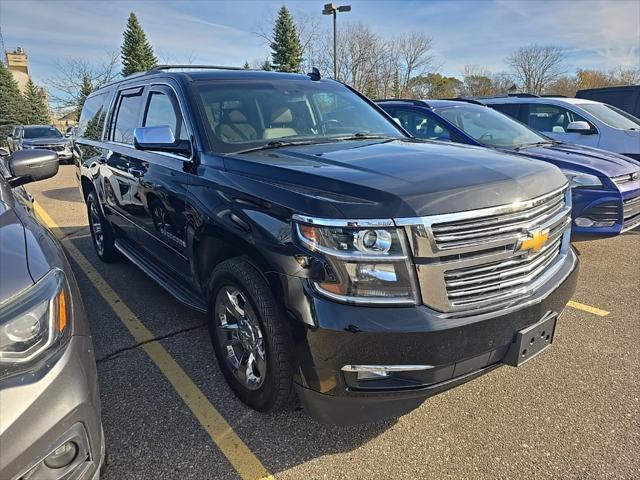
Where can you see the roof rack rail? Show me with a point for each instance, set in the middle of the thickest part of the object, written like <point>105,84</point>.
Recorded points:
<point>160,68</point>
<point>523,95</point>
<point>551,95</point>
<point>420,103</point>
<point>474,101</point>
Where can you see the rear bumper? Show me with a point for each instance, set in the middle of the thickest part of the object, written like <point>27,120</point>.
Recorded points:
<point>455,349</point>
<point>36,417</point>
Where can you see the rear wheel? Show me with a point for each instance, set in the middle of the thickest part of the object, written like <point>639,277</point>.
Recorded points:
<point>101,232</point>
<point>250,336</point>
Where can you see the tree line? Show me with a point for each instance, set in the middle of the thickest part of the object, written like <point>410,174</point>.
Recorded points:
<point>400,67</point>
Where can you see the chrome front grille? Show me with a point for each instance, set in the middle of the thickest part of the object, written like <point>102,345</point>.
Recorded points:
<point>631,213</point>
<point>481,260</point>
<point>55,148</point>
<point>627,179</point>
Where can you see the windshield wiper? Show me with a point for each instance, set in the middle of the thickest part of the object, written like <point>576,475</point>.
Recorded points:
<point>536,144</point>
<point>365,136</point>
<point>281,143</point>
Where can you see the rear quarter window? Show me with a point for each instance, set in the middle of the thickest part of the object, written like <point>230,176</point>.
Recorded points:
<point>92,117</point>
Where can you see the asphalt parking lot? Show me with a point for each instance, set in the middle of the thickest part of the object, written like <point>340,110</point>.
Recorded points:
<point>572,413</point>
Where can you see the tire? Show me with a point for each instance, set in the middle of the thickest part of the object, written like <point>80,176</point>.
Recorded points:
<point>265,389</point>
<point>101,231</point>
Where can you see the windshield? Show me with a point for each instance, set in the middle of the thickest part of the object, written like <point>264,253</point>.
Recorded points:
<point>612,116</point>
<point>37,132</point>
<point>241,115</point>
<point>490,127</point>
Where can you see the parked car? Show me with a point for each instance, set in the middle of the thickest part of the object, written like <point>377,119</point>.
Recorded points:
<point>625,98</point>
<point>605,185</point>
<point>50,424</point>
<point>47,137</point>
<point>575,120</point>
<point>333,254</point>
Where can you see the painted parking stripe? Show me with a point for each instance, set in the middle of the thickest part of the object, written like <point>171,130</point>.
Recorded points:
<point>587,308</point>
<point>239,455</point>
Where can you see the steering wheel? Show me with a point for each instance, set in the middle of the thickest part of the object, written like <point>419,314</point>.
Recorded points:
<point>486,136</point>
<point>323,124</point>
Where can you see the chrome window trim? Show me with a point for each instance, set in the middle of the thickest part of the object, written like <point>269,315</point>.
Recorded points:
<point>471,214</point>
<point>341,222</point>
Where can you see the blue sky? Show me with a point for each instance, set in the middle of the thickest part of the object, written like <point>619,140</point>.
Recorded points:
<point>594,33</point>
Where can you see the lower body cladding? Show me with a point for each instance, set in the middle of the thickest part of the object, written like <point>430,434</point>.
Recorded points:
<point>363,364</point>
<point>598,214</point>
<point>50,424</point>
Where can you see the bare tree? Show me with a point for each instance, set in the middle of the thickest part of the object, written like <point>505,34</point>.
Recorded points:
<point>413,55</point>
<point>477,81</point>
<point>67,87</point>
<point>536,66</point>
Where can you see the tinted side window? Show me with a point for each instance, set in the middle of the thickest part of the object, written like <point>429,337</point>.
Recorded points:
<point>161,110</point>
<point>551,118</point>
<point>92,117</point>
<point>127,117</point>
<point>513,109</point>
<point>422,126</point>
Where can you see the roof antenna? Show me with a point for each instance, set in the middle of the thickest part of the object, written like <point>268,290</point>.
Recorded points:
<point>314,74</point>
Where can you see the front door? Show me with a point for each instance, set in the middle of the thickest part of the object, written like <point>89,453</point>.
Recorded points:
<point>552,120</point>
<point>162,182</point>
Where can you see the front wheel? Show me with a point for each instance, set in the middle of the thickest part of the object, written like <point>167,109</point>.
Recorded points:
<point>250,336</point>
<point>101,232</point>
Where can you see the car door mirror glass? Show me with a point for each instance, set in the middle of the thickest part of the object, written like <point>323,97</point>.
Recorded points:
<point>579,127</point>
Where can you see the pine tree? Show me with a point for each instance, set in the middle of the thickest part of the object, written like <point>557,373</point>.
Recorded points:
<point>137,53</point>
<point>266,65</point>
<point>85,90</point>
<point>11,100</point>
<point>286,49</point>
<point>246,65</point>
<point>36,108</point>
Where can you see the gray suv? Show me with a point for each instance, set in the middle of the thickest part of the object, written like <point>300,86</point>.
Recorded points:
<point>41,137</point>
<point>50,424</point>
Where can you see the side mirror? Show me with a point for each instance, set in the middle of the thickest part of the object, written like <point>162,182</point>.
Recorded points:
<point>159,138</point>
<point>580,127</point>
<point>32,165</point>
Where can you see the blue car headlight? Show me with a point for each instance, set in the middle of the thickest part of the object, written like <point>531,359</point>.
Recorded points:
<point>582,180</point>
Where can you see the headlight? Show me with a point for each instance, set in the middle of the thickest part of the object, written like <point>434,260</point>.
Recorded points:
<point>28,146</point>
<point>34,322</point>
<point>578,179</point>
<point>369,260</point>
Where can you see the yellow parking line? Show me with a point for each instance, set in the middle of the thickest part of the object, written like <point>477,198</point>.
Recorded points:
<point>587,308</point>
<point>239,455</point>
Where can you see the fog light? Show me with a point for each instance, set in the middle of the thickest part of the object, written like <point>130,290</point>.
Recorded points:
<point>62,456</point>
<point>372,375</point>
<point>584,222</point>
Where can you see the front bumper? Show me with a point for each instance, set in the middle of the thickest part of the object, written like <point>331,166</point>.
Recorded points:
<point>36,416</point>
<point>610,204</point>
<point>457,349</point>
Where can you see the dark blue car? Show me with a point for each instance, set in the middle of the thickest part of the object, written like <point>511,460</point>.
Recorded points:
<point>605,185</point>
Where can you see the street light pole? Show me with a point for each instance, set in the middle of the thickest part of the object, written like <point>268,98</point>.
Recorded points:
<point>331,9</point>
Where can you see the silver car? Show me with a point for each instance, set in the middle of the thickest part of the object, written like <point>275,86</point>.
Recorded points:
<point>50,427</point>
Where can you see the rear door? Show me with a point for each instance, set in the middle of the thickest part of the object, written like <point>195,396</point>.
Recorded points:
<point>162,180</point>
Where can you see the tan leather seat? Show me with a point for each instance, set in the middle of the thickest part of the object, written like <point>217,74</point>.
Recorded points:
<point>278,127</point>
<point>235,128</point>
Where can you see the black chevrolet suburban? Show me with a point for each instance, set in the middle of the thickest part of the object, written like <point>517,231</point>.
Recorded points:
<point>335,257</point>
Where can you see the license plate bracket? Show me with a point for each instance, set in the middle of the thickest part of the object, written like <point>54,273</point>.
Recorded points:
<point>531,341</point>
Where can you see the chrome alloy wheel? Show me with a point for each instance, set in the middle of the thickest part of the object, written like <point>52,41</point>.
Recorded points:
<point>239,334</point>
<point>96,227</point>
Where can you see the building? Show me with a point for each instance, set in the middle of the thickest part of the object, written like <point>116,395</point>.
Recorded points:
<point>18,64</point>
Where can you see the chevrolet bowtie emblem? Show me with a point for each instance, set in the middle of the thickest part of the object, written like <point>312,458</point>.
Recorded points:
<point>536,240</point>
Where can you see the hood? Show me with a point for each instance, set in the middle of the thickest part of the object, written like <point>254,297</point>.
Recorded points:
<point>600,162</point>
<point>14,274</point>
<point>393,178</point>
<point>45,141</point>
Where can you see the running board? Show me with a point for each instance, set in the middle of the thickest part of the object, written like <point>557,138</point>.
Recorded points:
<point>179,292</point>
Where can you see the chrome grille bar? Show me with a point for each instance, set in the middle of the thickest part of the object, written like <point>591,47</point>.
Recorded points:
<point>473,261</point>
